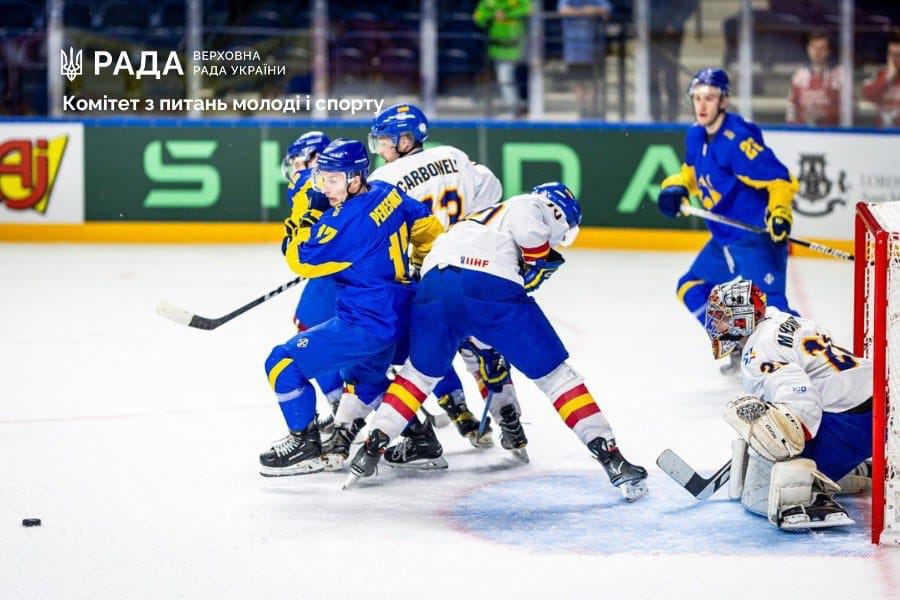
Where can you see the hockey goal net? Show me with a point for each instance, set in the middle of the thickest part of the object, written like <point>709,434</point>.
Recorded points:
<point>877,337</point>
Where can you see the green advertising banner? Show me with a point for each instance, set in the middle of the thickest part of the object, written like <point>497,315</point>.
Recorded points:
<point>233,174</point>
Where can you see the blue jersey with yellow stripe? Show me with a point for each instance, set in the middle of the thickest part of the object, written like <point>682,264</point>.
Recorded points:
<point>735,174</point>
<point>362,245</point>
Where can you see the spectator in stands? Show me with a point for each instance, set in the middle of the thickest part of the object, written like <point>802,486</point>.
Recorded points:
<point>667,19</point>
<point>506,27</point>
<point>583,48</point>
<point>815,97</point>
<point>884,88</point>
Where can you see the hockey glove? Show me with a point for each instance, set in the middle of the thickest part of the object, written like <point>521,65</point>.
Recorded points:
<point>317,201</point>
<point>670,199</point>
<point>778,223</point>
<point>537,273</point>
<point>292,227</point>
<point>491,365</point>
<point>771,429</point>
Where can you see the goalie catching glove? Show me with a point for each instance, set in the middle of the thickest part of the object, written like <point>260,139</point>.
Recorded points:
<point>772,430</point>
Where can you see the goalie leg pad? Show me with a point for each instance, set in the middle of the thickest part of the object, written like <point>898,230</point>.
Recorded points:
<point>858,480</point>
<point>755,490</point>
<point>739,457</point>
<point>801,497</point>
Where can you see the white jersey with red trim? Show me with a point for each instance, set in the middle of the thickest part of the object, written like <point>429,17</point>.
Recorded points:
<point>790,360</point>
<point>497,239</point>
<point>446,177</point>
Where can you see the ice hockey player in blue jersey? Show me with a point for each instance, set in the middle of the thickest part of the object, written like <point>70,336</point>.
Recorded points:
<point>361,241</point>
<point>316,304</point>
<point>475,282</point>
<point>733,173</point>
<point>448,181</point>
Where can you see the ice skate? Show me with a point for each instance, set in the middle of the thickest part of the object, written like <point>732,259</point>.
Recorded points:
<point>337,449</point>
<point>630,479</point>
<point>824,512</point>
<point>512,435</point>
<point>466,423</point>
<point>365,463</point>
<point>297,454</point>
<point>419,449</point>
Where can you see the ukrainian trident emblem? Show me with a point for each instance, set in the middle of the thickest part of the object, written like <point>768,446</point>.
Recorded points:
<point>70,65</point>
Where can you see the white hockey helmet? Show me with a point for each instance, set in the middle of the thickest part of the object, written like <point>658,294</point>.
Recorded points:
<point>732,311</point>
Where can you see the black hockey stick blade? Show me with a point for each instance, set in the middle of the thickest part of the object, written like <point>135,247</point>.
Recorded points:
<point>179,315</point>
<point>697,485</point>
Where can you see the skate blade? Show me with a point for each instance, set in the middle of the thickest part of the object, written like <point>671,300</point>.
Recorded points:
<point>350,482</point>
<point>333,462</point>
<point>802,524</point>
<point>520,454</point>
<point>481,442</point>
<point>634,490</point>
<point>310,466</point>
<point>422,464</point>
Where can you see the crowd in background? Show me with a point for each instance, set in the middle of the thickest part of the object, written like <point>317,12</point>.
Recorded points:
<point>482,50</point>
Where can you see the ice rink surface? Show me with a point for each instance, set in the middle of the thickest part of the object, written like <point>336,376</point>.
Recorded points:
<point>136,441</point>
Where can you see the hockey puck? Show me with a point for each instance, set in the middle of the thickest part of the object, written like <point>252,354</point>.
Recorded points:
<point>31,522</point>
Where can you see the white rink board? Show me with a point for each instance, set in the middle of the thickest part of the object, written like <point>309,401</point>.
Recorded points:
<point>135,440</point>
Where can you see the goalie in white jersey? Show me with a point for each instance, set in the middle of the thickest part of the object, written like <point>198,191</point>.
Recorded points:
<point>807,412</point>
<point>475,282</point>
<point>454,186</point>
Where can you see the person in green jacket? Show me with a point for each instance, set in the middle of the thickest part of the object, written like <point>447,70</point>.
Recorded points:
<point>506,27</point>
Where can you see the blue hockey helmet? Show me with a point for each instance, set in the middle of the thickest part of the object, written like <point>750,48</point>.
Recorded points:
<point>306,145</point>
<point>562,197</point>
<point>398,120</point>
<point>343,156</point>
<point>311,142</point>
<point>716,78</point>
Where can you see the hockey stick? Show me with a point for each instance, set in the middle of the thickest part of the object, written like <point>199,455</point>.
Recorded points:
<point>179,315</point>
<point>700,487</point>
<point>687,209</point>
<point>484,415</point>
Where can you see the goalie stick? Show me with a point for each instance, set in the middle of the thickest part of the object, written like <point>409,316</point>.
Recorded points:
<point>699,486</point>
<point>179,315</point>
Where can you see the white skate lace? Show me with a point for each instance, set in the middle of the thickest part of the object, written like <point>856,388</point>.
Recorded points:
<point>286,445</point>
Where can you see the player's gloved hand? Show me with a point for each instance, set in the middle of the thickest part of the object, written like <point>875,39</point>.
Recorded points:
<point>317,200</point>
<point>290,230</point>
<point>541,270</point>
<point>492,366</point>
<point>778,223</point>
<point>670,199</point>
<point>773,430</point>
<point>310,218</point>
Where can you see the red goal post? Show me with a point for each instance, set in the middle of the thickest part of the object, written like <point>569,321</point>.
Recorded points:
<point>876,335</point>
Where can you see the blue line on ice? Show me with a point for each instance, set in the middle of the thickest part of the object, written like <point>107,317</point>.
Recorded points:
<point>581,512</point>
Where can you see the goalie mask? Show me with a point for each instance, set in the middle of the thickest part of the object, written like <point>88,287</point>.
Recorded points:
<point>732,312</point>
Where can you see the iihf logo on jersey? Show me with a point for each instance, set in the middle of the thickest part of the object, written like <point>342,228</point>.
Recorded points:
<point>70,66</point>
<point>815,187</point>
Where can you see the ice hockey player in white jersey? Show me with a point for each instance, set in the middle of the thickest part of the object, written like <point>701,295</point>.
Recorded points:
<point>454,186</point>
<point>806,412</point>
<point>475,282</point>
